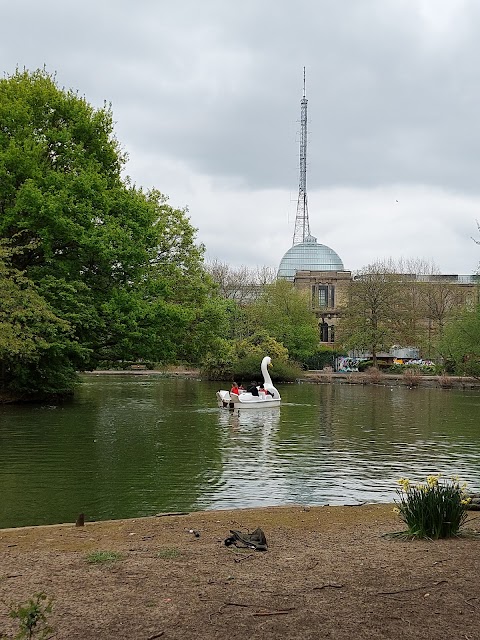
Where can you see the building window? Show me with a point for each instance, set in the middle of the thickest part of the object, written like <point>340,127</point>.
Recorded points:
<point>324,332</point>
<point>332,297</point>
<point>323,296</point>
<point>332,333</point>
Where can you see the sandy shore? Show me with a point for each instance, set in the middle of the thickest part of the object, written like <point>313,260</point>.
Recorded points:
<point>329,572</point>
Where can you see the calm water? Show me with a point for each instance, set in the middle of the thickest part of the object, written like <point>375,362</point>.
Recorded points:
<point>130,446</point>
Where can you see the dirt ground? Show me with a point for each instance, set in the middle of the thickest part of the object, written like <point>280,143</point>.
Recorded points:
<point>329,572</point>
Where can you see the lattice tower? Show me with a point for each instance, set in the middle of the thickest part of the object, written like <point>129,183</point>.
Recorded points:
<point>302,224</point>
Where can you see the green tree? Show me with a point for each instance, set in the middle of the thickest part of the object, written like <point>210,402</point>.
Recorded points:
<point>460,343</point>
<point>371,320</point>
<point>286,315</point>
<point>119,265</point>
<point>34,342</point>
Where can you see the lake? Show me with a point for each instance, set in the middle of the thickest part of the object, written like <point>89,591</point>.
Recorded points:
<point>130,446</point>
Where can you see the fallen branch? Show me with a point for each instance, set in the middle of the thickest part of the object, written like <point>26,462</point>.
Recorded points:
<point>277,612</point>
<point>469,603</point>
<point>172,513</point>
<point>156,635</point>
<point>240,558</point>
<point>333,585</point>
<point>387,593</point>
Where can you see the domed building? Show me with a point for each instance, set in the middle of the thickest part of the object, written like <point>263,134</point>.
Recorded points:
<point>318,269</point>
<point>308,256</point>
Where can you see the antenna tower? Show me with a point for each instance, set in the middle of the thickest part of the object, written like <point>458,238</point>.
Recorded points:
<point>302,224</point>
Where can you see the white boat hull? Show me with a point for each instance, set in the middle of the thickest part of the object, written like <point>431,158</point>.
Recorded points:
<point>245,401</point>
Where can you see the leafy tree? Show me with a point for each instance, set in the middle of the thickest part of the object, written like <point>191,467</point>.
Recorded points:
<point>460,344</point>
<point>370,320</point>
<point>441,301</point>
<point>285,314</point>
<point>34,342</point>
<point>119,266</point>
<point>405,303</point>
<point>240,287</point>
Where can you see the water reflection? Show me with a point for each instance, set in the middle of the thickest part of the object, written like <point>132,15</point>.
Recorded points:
<point>135,446</point>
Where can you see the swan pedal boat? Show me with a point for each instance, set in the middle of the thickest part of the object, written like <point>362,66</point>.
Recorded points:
<point>248,401</point>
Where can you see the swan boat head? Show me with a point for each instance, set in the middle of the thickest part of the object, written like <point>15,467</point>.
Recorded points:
<point>267,381</point>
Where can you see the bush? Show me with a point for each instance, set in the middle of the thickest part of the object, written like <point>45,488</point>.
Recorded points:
<point>411,377</point>
<point>432,510</point>
<point>374,375</point>
<point>32,618</point>
<point>248,368</point>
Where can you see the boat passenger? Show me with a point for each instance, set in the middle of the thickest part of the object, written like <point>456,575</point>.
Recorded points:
<point>265,391</point>
<point>235,388</point>
<point>253,389</point>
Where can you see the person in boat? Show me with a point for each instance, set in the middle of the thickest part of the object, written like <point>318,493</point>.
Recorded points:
<point>264,391</point>
<point>253,389</point>
<point>235,388</point>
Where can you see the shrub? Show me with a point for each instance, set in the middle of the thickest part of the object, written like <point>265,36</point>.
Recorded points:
<point>249,369</point>
<point>364,365</point>
<point>396,368</point>
<point>32,617</point>
<point>373,375</point>
<point>445,381</point>
<point>411,377</point>
<point>432,510</point>
<point>368,364</point>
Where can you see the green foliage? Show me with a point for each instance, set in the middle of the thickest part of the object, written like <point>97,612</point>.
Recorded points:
<point>371,318</point>
<point>242,359</point>
<point>111,273</point>
<point>218,363</point>
<point>103,557</point>
<point>32,617</point>
<point>250,353</point>
<point>285,314</point>
<point>36,345</point>
<point>422,369</point>
<point>259,345</point>
<point>248,368</point>
<point>432,510</point>
<point>460,344</point>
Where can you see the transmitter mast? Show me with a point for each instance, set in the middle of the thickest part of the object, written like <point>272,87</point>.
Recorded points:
<point>302,224</point>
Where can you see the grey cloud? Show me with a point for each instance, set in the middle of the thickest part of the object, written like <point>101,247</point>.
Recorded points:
<point>214,87</point>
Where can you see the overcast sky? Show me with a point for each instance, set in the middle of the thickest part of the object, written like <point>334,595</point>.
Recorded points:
<point>206,98</point>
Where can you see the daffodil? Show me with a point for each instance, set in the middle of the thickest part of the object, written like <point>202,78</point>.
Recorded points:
<point>432,481</point>
<point>404,483</point>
